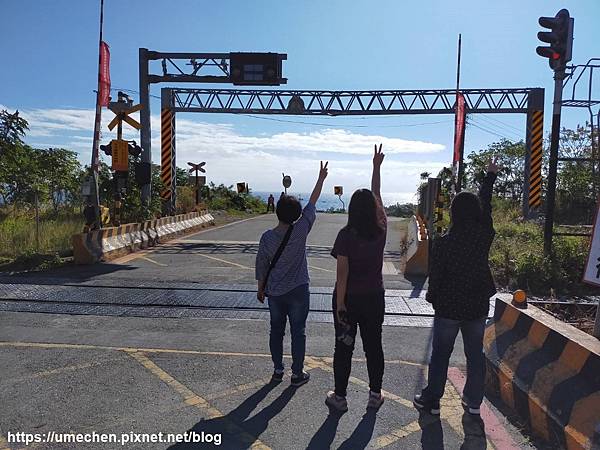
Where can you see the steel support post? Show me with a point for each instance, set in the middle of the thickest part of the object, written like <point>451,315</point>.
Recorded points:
<point>533,143</point>
<point>553,165</point>
<point>145,121</point>
<point>167,153</point>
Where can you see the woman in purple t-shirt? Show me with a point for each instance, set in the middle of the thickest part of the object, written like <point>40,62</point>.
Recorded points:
<point>358,298</point>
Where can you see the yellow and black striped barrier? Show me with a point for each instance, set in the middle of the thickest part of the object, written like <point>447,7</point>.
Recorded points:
<point>110,243</point>
<point>167,156</point>
<point>535,162</point>
<point>548,372</point>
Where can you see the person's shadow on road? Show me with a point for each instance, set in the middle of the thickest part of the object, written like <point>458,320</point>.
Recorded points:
<point>359,439</point>
<point>236,430</point>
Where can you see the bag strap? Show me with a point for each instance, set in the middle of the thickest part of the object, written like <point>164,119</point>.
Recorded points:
<point>278,253</point>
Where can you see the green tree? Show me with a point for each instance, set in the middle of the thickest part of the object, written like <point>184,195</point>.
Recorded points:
<point>12,128</point>
<point>61,172</point>
<point>511,157</point>
<point>577,185</point>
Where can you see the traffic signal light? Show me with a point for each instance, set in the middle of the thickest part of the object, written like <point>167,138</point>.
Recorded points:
<point>256,69</point>
<point>560,38</point>
<point>134,149</point>
<point>107,149</point>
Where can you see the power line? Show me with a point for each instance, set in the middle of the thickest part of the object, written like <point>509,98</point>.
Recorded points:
<point>488,131</point>
<point>500,128</point>
<point>346,125</point>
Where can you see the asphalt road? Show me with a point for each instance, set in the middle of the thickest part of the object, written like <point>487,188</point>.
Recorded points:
<point>226,255</point>
<point>148,344</point>
<point>121,375</point>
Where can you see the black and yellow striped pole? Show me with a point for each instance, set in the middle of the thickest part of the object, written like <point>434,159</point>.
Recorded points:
<point>535,164</point>
<point>532,181</point>
<point>167,153</point>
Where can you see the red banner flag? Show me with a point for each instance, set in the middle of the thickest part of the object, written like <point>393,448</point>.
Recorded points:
<point>104,75</point>
<point>459,126</point>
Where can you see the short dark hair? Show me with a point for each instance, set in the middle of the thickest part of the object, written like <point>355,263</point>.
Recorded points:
<point>465,208</point>
<point>288,209</point>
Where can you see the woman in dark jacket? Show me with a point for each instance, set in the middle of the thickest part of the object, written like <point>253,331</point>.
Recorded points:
<point>358,298</point>
<point>460,286</point>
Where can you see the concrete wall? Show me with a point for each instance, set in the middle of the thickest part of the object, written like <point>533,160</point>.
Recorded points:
<point>110,243</point>
<point>548,372</point>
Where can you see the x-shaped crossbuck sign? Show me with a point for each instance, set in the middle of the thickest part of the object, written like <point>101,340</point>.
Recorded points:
<point>197,167</point>
<point>124,116</point>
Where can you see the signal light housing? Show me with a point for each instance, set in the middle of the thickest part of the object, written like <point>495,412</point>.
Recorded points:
<point>560,39</point>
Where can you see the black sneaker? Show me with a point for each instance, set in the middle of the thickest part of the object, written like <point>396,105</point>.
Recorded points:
<point>430,406</point>
<point>277,377</point>
<point>299,380</point>
<point>470,409</point>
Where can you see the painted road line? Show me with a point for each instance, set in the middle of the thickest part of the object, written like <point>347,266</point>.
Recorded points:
<point>145,258</point>
<point>3,443</point>
<point>230,224</point>
<point>132,256</point>
<point>59,370</point>
<point>322,365</point>
<point>241,266</point>
<point>396,435</point>
<point>239,389</point>
<point>451,404</point>
<point>320,359</point>
<point>320,268</point>
<point>192,399</point>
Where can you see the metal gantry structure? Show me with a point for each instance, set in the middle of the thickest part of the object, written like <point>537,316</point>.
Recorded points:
<point>528,101</point>
<point>338,103</point>
<point>182,67</point>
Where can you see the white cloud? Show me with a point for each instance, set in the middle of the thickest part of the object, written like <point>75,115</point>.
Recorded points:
<point>259,159</point>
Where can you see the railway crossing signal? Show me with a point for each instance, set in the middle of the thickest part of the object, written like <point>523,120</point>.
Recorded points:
<point>122,108</point>
<point>560,38</point>
<point>197,168</point>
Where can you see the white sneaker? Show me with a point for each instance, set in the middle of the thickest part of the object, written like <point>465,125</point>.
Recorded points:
<point>336,402</point>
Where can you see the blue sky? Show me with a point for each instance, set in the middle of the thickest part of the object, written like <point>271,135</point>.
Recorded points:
<point>50,55</point>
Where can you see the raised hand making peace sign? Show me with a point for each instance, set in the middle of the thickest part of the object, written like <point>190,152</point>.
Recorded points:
<point>378,155</point>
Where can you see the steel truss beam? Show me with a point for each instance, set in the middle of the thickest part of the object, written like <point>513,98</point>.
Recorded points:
<point>338,103</point>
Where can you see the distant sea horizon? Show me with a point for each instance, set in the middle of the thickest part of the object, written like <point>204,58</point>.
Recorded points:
<point>326,201</point>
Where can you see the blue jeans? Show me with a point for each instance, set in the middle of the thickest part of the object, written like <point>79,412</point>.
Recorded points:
<point>293,304</point>
<point>444,335</point>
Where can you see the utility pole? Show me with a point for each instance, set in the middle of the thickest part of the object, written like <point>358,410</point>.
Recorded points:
<point>145,132</point>
<point>95,166</point>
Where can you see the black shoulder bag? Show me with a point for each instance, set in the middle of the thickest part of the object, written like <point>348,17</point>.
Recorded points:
<point>278,253</point>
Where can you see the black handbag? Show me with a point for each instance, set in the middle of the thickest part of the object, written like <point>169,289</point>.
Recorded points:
<point>278,253</point>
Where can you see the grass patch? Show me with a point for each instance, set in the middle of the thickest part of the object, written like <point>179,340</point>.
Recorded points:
<point>18,233</point>
<point>517,257</point>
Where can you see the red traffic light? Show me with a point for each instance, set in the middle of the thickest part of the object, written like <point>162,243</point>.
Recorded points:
<point>560,38</point>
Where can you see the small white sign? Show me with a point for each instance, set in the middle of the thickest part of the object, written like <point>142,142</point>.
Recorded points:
<point>592,268</point>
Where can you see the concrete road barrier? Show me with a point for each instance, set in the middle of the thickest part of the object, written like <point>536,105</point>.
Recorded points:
<point>111,243</point>
<point>417,248</point>
<point>548,372</point>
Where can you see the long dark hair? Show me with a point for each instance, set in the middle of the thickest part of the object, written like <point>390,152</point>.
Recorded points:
<point>362,214</point>
<point>465,209</point>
